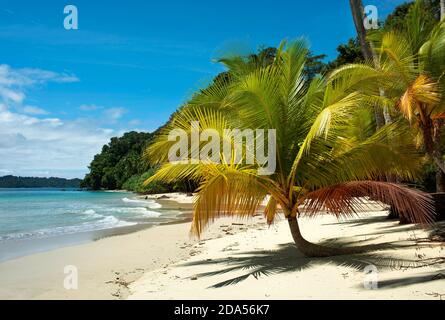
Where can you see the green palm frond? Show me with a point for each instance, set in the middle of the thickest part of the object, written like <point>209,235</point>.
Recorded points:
<point>325,133</point>
<point>389,151</point>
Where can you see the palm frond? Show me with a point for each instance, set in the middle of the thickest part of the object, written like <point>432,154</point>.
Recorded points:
<point>271,210</point>
<point>349,198</point>
<point>226,192</point>
<point>389,151</point>
<point>422,92</point>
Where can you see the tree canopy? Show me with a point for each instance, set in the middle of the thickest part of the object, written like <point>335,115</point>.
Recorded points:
<point>118,161</point>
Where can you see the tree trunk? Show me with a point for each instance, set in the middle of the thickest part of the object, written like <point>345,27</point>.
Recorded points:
<point>442,10</point>
<point>437,133</point>
<point>314,250</point>
<point>440,181</point>
<point>431,139</point>
<point>359,16</point>
<point>379,118</point>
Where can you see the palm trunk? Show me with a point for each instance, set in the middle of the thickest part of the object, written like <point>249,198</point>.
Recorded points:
<point>442,10</point>
<point>314,250</point>
<point>358,15</point>
<point>431,131</point>
<point>440,181</point>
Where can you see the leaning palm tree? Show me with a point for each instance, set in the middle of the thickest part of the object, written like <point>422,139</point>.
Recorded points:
<point>329,157</point>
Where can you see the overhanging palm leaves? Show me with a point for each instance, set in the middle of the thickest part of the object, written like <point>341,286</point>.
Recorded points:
<point>319,147</point>
<point>408,69</point>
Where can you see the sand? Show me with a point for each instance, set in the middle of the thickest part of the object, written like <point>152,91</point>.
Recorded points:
<point>237,260</point>
<point>104,266</point>
<point>262,263</point>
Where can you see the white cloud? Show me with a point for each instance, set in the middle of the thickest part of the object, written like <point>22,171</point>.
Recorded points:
<point>34,110</point>
<point>44,146</point>
<point>114,114</point>
<point>14,81</point>
<point>9,95</point>
<point>134,122</point>
<point>89,107</point>
<point>29,76</point>
<point>29,145</point>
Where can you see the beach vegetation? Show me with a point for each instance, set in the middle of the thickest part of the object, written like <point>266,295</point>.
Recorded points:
<point>331,158</point>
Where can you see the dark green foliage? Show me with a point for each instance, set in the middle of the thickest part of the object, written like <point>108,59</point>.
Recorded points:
<point>136,184</point>
<point>120,166</point>
<point>314,65</point>
<point>266,56</point>
<point>118,161</point>
<point>428,179</point>
<point>350,52</point>
<point>396,20</point>
<point>347,53</point>
<point>34,182</point>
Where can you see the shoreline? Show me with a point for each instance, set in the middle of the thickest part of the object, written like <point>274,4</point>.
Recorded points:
<point>236,259</point>
<point>19,248</point>
<point>106,267</point>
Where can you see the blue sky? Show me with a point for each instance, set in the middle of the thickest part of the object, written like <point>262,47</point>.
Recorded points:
<point>64,93</point>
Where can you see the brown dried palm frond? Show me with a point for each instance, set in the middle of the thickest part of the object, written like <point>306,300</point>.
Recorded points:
<point>349,198</point>
<point>422,92</point>
<point>226,191</point>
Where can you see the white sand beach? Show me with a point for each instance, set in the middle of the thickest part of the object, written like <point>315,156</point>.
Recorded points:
<point>262,263</point>
<point>237,260</point>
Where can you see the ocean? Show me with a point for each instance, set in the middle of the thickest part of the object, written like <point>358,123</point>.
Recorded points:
<point>35,220</point>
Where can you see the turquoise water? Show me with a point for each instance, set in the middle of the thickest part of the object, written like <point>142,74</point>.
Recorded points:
<point>27,214</point>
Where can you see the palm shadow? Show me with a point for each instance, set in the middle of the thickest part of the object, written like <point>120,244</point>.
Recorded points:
<point>288,259</point>
<point>359,222</point>
<point>385,228</point>
<point>406,281</point>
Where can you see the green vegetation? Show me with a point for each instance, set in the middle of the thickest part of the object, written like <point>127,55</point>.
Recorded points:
<point>34,182</point>
<point>119,161</point>
<point>120,166</point>
<point>329,150</point>
<point>349,129</point>
<point>406,77</point>
<point>351,133</point>
<point>136,184</point>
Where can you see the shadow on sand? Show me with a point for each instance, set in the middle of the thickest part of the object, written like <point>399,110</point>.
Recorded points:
<point>288,259</point>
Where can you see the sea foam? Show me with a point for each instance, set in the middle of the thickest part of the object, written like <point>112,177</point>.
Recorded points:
<point>149,203</point>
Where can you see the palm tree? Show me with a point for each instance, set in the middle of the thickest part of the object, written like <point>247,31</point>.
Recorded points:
<point>329,155</point>
<point>410,68</point>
